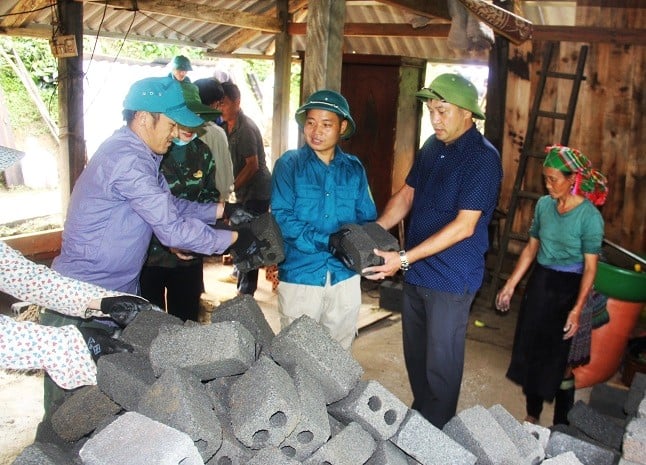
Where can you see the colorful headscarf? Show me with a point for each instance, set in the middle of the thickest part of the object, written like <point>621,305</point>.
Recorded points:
<point>590,183</point>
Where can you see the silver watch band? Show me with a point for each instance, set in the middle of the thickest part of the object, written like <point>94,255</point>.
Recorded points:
<point>403,258</point>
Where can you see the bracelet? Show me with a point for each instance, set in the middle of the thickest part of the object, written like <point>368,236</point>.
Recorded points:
<point>403,258</point>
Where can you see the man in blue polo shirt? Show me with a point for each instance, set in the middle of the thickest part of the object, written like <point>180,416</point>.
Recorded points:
<point>450,192</point>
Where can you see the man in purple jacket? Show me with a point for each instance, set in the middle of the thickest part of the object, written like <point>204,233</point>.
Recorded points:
<point>121,198</point>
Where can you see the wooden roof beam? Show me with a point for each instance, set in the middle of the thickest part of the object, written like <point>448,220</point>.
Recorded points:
<point>435,9</point>
<point>23,11</point>
<point>192,11</point>
<point>243,36</point>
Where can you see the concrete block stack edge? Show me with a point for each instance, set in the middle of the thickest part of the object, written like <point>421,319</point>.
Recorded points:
<point>206,395</point>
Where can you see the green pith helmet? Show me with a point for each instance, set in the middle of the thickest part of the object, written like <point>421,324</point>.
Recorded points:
<point>194,103</point>
<point>182,63</point>
<point>331,101</point>
<point>454,89</point>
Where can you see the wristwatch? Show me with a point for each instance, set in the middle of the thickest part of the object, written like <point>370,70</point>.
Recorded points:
<point>404,260</point>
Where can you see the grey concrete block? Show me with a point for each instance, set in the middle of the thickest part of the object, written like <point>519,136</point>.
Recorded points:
<point>82,412</point>
<point>641,410</point>
<point>304,342</point>
<point>541,433</point>
<point>387,453</point>
<point>608,400</point>
<point>271,252</point>
<point>635,394</point>
<point>43,454</point>
<point>595,425</point>
<point>359,247</point>
<point>587,453</point>
<point>272,456</point>
<point>623,461</point>
<point>477,430</point>
<point>634,444</point>
<point>263,405</point>
<point>429,445</point>
<point>528,445</point>
<point>313,428</point>
<point>246,310</point>
<point>133,439</point>
<point>207,351</point>
<point>383,239</point>
<point>124,377</point>
<point>352,446</point>
<point>179,400</point>
<point>218,391</point>
<point>232,451</point>
<point>371,405</point>
<point>141,332</point>
<point>566,458</point>
<point>335,425</point>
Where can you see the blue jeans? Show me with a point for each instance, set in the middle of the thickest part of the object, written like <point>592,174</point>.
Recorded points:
<point>434,327</point>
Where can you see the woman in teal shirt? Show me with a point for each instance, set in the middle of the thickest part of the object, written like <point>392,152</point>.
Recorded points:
<point>565,239</point>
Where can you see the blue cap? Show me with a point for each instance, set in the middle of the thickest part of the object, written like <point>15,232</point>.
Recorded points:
<point>161,95</point>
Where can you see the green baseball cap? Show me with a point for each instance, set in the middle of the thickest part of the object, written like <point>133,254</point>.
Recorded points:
<point>161,95</point>
<point>182,63</point>
<point>454,89</point>
<point>194,102</point>
<point>331,101</point>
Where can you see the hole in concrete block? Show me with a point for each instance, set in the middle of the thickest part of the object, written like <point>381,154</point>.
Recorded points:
<point>278,419</point>
<point>224,461</point>
<point>260,437</point>
<point>390,417</point>
<point>374,403</point>
<point>325,462</point>
<point>289,451</point>
<point>305,437</point>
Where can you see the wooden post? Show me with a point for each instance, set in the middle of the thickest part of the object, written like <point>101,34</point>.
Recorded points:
<point>323,46</point>
<point>282,74</point>
<point>70,101</point>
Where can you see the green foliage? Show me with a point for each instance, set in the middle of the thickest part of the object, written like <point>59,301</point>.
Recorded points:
<point>145,51</point>
<point>42,67</point>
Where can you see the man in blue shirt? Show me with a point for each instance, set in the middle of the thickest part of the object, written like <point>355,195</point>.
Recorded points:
<point>450,192</point>
<point>315,190</point>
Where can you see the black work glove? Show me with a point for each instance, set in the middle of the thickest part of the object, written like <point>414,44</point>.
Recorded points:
<point>99,342</point>
<point>335,246</point>
<point>124,308</point>
<point>236,214</point>
<point>246,246</point>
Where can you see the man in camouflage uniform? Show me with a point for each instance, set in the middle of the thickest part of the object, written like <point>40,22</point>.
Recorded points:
<point>171,279</point>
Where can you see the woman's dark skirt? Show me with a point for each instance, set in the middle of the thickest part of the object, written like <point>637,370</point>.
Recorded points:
<point>539,355</point>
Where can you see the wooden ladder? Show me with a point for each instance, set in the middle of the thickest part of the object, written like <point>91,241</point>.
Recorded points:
<point>519,192</point>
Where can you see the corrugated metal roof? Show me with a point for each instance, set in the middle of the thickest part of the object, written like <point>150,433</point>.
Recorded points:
<point>108,21</point>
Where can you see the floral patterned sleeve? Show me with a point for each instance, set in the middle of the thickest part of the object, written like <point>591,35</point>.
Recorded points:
<point>43,286</point>
<point>62,352</point>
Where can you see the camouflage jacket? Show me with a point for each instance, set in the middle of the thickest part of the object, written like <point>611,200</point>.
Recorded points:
<point>190,173</point>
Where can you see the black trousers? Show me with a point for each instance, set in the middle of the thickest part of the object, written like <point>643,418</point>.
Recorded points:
<point>248,282</point>
<point>177,289</point>
<point>434,328</point>
<point>539,355</point>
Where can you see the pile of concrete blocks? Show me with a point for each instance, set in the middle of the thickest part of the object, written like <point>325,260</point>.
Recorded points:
<point>233,392</point>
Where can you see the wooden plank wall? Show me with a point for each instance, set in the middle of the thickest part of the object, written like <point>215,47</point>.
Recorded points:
<point>608,124</point>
